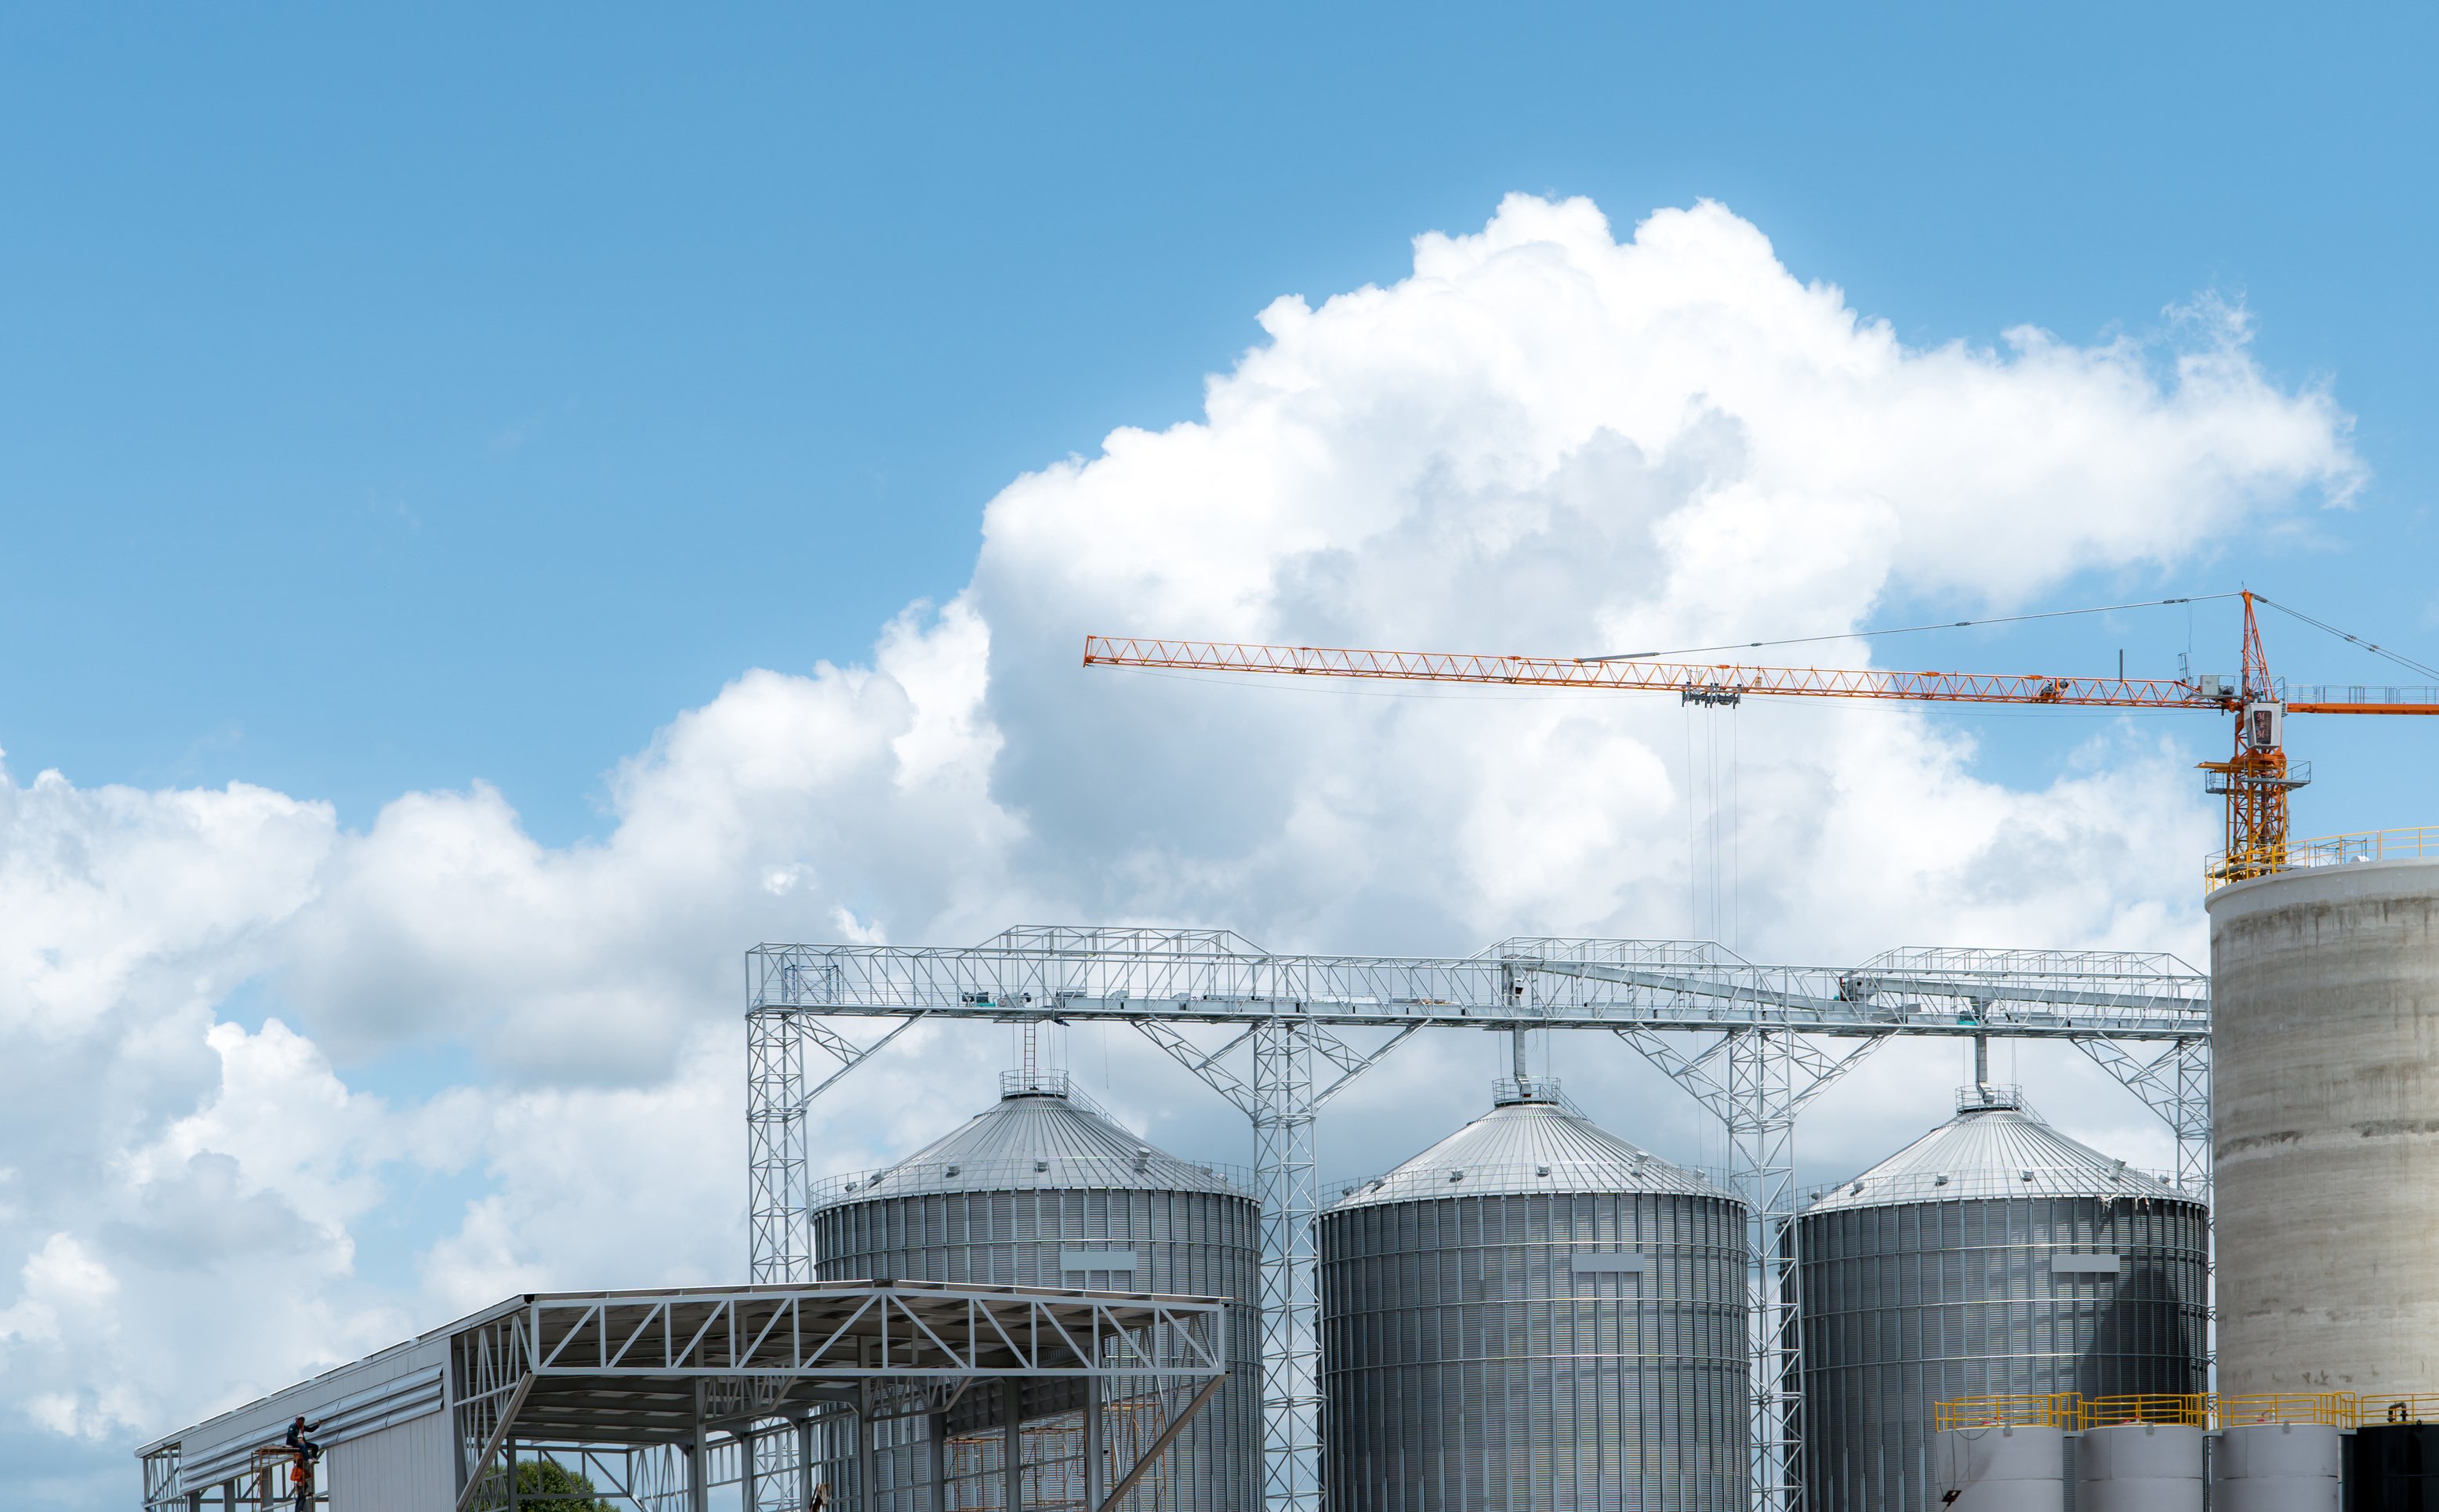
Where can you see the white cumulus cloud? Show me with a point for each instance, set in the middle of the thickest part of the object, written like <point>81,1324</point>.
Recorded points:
<point>1546,438</point>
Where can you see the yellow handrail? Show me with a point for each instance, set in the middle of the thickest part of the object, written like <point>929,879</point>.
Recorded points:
<point>2411,1407</point>
<point>2155,1407</point>
<point>2056,1410</point>
<point>2066,1410</point>
<point>2416,844</point>
<point>2328,1409</point>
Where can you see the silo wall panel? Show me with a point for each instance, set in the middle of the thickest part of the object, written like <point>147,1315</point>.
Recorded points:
<point>2325,1119</point>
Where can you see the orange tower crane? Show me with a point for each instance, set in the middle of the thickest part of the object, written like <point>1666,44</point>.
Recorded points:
<point>2256,779</point>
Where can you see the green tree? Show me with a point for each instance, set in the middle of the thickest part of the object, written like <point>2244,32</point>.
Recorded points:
<point>547,1487</point>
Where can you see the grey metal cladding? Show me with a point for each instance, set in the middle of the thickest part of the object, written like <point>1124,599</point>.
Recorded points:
<point>1051,1138</point>
<point>1910,1296</point>
<point>1610,1264</point>
<point>1496,1348</point>
<point>1993,1148</point>
<point>1528,1144</point>
<point>2064,1263</point>
<point>1024,1195</point>
<point>1070,1260</point>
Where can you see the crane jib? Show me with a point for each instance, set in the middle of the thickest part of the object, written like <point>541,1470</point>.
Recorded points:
<point>2255,781</point>
<point>1722,682</point>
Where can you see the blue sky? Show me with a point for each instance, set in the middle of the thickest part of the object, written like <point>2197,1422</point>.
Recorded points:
<point>394,400</point>
<point>397,401</point>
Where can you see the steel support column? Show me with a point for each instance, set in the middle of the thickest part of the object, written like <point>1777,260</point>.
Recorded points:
<point>1286,1170</point>
<point>936,1442</point>
<point>1761,1135</point>
<point>1011,1399</point>
<point>1097,1478</point>
<point>698,1456</point>
<point>1755,1081</point>
<point>867,1464</point>
<point>774,1136</point>
<point>776,1096</point>
<point>1281,1098</point>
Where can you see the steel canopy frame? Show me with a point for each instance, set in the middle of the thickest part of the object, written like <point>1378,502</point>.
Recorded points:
<point>1775,1035</point>
<point>657,1396</point>
<point>662,1369</point>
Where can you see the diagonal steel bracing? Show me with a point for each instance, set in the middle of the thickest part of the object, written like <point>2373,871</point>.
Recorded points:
<point>1755,1081</point>
<point>1281,1096</point>
<point>1765,1039</point>
<point>777,1175</point>
<point>2175,1083</point>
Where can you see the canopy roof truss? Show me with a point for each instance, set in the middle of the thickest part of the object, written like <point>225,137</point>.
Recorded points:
<point>656,1397</point>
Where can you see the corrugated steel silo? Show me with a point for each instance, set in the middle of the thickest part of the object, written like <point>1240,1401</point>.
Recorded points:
<point>2324,986</point>
<point>1992,1257</point>
<point>1043,1190</point>
<point>1534,1313</point>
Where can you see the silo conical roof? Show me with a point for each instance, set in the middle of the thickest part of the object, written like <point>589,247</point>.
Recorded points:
<point>1994,1148</point>
<point>1529,1143</point>
<point>1037,1136</point>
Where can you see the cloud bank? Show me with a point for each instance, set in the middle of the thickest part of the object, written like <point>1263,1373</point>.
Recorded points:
<point>279,1092</point>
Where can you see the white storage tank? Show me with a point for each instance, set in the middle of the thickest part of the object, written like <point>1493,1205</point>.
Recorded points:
<point>2138,1468</point>
<point>1999,1468</point>
<point>2278,1468</point>
<point>2324,988</point>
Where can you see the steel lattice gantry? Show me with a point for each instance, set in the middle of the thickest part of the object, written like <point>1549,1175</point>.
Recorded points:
<point>1753,1043</point>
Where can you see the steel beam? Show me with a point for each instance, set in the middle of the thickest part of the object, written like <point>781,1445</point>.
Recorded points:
<point>1777,1036</point>
<point>1755,1081</point>
<point>1281,1097</point>
<point>2175,1083</point>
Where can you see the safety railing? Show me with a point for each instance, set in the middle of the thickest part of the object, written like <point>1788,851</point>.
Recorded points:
<point>2328,1409</point>
<point>2414,1408</point>
<point>2334,1408</point>
<point>2162,1409</point>
<point>2056,1410</point>
<point>2419,844</point>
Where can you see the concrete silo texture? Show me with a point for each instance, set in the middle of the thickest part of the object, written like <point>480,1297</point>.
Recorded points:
<point>2325,1124</point>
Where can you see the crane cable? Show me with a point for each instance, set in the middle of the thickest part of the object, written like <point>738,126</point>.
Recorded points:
<point>2399,658</point>
<point>1961,624</point>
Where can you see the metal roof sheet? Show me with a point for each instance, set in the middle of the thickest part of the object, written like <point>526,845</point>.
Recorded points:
<point>1036,1137</point>
<point>1524,1145</point>
<point>1995,1147</point>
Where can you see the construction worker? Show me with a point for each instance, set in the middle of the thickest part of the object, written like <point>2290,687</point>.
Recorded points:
<point>299,1441</point>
